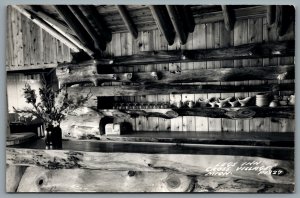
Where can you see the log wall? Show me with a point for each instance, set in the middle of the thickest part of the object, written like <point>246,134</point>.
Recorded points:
<point>205,36</point>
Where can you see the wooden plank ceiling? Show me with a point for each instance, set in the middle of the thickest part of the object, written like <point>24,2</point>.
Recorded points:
<point>90,27</point>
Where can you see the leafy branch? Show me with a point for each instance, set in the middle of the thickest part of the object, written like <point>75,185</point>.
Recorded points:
<point>54,105</point>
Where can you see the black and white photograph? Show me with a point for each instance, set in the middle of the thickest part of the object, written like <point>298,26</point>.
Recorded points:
<point>150,98</point>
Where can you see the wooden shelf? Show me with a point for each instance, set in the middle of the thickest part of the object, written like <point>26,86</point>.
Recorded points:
<point>229,113</point>
<point>152,89</point>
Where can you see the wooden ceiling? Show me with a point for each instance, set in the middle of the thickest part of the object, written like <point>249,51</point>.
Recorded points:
<point>89,27</point>
<point>142,17</point>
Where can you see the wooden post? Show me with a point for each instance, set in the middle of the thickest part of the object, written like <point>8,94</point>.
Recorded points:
<point>99,42</point>
<point>163,22</point>
<point>228,18</point>
<point>178,22</point>
<point>128,20</point>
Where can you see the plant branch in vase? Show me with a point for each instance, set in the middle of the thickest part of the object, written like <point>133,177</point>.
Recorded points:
<point>53,107</point>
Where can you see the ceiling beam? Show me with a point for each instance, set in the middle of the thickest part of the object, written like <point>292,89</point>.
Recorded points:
<point>271,10</point>
<point>76,26</point>
<point>99,42</point>
<point>189,20</point>
<point>46,27</point>
<point>96,20</point>
<point>63,30</point>
<point>163,21</point>
<point>178,22</point>
<point>279,19</point>
<point>285,15</point>
<point>128,20</point>
<point>228,17</point>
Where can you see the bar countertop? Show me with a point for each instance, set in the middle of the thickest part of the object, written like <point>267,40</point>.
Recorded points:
<point>272,152</point>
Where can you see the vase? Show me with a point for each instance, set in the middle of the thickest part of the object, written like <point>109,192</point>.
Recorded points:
<point>53,138</point>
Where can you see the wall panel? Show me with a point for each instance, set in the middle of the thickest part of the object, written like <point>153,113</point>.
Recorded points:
<point>29,45</point>
<point>206,36</point>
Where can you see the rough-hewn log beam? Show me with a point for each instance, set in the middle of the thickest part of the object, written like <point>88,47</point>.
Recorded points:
<point>128,20</point>
<point>254,50</point>
<point>139,90</point>
<point>80,180</point>
<point>69,74</point>
<point>238,113</point>
<point>13,177</point>
<point>228,17</point>
<point>178,22</point>
<point>163,21</point>
<point>271,13</point>
<point>161,113</point>
<point>75,25</point>
<point>228,113</point>
<point>47,28</point>
<point>99,42</point>
<point>96,21</point>
<point>189,20</point>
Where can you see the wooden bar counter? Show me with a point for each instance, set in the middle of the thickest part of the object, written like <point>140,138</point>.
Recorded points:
<point>187,165</point>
